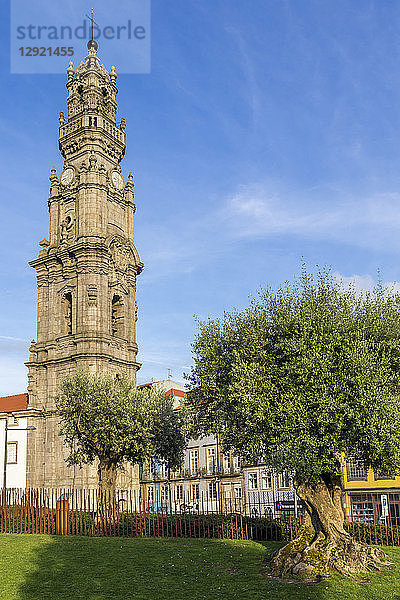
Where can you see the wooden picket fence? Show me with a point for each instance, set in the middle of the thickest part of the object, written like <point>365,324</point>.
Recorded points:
<point>86,513</point>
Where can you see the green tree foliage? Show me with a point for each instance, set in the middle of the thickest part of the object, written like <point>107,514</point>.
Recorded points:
<point>306,374</point>
<point>109,419</point>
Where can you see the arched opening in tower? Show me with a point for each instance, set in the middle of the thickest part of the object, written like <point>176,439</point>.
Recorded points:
<point>117,316</point>
<point>67,313</point>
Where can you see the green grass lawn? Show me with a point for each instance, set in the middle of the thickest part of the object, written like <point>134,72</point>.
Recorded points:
<point>77,568</point>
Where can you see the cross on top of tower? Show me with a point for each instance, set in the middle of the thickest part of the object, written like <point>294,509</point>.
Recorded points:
<point>92,44</point>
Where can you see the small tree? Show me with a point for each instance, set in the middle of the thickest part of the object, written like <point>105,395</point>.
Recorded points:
<point>304,376</point>
<point>110,420</point>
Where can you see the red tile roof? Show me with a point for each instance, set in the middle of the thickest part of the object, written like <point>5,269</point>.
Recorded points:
<point>170,392</point>
<point>174,392</point>
<point>14,403</point>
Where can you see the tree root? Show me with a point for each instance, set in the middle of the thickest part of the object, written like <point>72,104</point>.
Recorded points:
<point>308,557</point>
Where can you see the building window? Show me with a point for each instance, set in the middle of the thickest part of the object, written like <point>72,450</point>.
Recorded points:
<point>150,494</point>
<point>162,471</point>
<point>179,493</point>
<point>237,463</point>
<point>12,421</point>
<point>177,472</point>
<point>12,453</point>
<point>67,313</point>
<point>362,507</point>
<point>149,469</point>
<point>268,512</point>
<point>253,481</point>
<point>266,480</point>
<point>237,492</point>
<point>284,480</point>
<point>356,470</point>
<point>380,475</point>
<point>212,490</point>
<point>227,462</point>
<point>227,492</point>
<point>117,316</point>
<point>210,453</point>
<point>164,494</point>
<point>194,460</point>
<point>195,492</point>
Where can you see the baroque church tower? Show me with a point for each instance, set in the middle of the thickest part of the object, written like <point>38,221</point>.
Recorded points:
<point>86,272</point>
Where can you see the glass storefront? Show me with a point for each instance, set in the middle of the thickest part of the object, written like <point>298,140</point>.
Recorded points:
<point>367,508</point>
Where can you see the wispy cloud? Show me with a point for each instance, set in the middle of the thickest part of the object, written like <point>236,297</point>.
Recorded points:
<point>364,283</point>
<point>258,210</point>
<point>13,345</point>
<point>267,209</point>
<point>248,68</point>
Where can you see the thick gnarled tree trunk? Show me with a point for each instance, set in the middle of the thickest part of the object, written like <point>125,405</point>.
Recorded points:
<point>107,473</point>
<point>107,477</point>
<point>323,546</point>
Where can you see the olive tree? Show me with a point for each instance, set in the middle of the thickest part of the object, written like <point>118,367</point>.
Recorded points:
<point>109,420</point>
<point>306,375</point>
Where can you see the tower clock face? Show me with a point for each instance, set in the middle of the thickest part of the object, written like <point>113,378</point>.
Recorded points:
<point>117,180</point>
<point>67,176</point>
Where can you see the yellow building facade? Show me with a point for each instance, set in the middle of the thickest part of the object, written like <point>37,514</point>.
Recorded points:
<point>368,492</point>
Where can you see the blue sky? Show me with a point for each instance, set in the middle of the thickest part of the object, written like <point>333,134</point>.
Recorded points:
<point>266,131</point>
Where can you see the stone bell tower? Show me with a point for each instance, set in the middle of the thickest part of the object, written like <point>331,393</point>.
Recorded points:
<point>86,272</point>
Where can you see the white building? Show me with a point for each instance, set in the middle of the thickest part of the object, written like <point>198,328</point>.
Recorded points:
<point>210,481</point>
<point>14,411</point>
<point>207,480</point>
<point>269,493</point>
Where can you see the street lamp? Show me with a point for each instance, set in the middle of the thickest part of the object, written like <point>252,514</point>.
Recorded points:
<point>6,428</point>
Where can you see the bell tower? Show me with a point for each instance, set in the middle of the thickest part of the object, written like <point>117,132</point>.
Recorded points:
<point>86,271</point>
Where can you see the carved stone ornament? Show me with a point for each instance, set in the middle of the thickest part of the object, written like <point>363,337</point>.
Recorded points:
<point>121,254</point>
<point>116,180</point>
<point>66,228</point>
<point>67,176</point>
